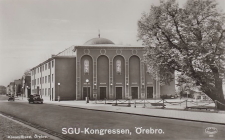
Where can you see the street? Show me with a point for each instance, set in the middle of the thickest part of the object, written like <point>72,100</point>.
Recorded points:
<point>56,117</point>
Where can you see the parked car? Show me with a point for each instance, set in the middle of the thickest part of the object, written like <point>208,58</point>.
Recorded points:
<point>35,99</point>
<point>11,98</point>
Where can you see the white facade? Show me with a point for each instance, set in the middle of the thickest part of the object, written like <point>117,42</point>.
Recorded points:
<point>42,79</point>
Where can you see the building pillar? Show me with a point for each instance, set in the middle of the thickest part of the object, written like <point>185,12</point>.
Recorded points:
<point>111,91</point>
<point>95,88</point>
<point>126,84</point>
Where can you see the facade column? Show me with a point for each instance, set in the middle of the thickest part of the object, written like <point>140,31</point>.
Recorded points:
<point>127,94</point>
<point>95,78</point>
<point>78,93</point>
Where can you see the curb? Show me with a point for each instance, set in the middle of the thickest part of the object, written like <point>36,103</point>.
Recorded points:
<point>138,114</point>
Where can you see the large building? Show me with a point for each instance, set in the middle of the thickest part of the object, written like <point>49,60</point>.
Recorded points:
<point>98,69</point>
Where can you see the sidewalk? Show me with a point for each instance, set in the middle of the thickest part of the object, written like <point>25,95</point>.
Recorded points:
<point>211,117</point>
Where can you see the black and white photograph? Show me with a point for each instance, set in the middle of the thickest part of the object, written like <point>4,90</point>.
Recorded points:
<point>112,69</point>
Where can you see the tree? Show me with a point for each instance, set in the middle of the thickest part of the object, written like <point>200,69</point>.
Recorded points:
<point>189,40</point>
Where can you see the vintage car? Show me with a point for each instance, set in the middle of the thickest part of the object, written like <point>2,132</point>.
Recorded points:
<point>11,98</point>
<point>35,99</point>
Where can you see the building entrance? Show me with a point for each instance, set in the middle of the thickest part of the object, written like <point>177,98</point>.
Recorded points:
<point>149,92</point>
<point>134,92</point>
<point>118,92</point>
<point>86,92</point>
<point>102,93</point>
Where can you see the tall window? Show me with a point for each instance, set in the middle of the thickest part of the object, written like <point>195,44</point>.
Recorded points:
<point>86,67</point>
<point>49,78</point>
<point>49,91</point>
<point>118,67</point>
<point>53,63</point>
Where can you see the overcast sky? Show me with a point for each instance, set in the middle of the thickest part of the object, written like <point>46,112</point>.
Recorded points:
<point>32,30</point>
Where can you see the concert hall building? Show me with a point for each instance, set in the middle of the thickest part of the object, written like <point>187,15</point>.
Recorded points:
<point>98,69</point>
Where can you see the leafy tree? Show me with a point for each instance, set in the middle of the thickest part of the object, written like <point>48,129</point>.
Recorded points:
<point>189,40</point>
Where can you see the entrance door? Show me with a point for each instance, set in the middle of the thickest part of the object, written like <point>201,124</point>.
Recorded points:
<point>134,92</point>
<point>149,92</point>
<point>102,93</point>
<point>86,92</point>
<point>118,92</point>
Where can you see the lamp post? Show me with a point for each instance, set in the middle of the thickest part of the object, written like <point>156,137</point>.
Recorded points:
<point>22,93</point>
<point>87,98</point>
<point>58,92</point>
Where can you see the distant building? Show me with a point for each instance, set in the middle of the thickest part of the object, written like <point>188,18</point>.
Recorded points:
<point>8,90</point>
<point>98,69</point>
<point>18,86</point>
<point>2,90</point>
<point>26,84</point>
<point>12,88</point>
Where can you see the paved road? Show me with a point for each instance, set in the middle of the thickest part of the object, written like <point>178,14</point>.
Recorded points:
<point>56,117</point>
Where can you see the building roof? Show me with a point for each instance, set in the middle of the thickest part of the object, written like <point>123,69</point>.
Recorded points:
<point>97,41</point>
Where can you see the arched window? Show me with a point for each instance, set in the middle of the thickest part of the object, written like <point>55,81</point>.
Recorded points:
<point>86,67</point>
<point>118,67</point>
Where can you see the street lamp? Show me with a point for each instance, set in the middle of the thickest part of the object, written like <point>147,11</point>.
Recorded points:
<point>58,92</point>
<point>22,93</point>
<point>87,100</point>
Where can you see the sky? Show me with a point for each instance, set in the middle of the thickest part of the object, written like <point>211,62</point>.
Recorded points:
<point>32,30</point>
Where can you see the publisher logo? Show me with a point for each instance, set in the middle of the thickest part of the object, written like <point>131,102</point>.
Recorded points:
<point>211,131</point>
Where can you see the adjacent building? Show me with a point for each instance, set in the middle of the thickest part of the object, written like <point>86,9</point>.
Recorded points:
<point>54,76</point>
<point>98,69</point>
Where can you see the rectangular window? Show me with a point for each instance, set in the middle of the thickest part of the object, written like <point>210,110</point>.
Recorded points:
<point>53,63</point>
<point>45,79</point>
<point>49,78</point>
<point>37,81</point>
<point>45,66</point>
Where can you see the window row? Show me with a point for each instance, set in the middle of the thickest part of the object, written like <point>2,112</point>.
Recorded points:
<point>43,67</point>
<point>42,80</point>
<point>86,66</point>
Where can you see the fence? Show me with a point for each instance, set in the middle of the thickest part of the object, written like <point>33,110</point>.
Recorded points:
<point>186,104</point>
